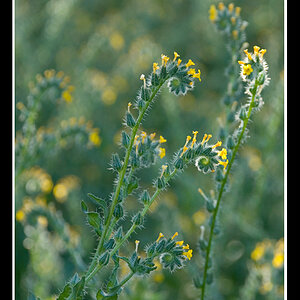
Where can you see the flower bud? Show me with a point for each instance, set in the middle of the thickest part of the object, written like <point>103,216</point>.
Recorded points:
<point>118,211</point>
<point>160,183</point>
<point>116,163</point>
<point>125,139</point>
<point>145,197</point>
<point>179,163</point>
<point>130,120</point>
<point>137,219</point>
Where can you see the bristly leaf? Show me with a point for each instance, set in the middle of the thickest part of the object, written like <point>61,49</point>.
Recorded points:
<point>102,203</point>
<point>66,292</point>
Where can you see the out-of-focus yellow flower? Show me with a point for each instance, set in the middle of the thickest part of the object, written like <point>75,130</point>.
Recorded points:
<point>199,217</point>
<point>109,96</point>
<point>258,252</point>
<point>20,215</point>
<point>60,192</point>
<point>46,184</point>
<point>158,277</point>
<point>42,221</point>
<point>213,13</point>
<point>116,40</point>
<point>66,95</point>
<point>162,152</point>
<point>94,137</point>
<point>278,260</point>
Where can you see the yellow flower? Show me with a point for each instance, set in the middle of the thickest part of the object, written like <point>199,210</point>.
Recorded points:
<point>155,67</point>
<point>247,69</point>
<point>194,138</point>
<point>95,138</point>
<point>66,95</point>
<point>190,63</point>
<point>20,215</point>
<point>256,49</point>
<point>162,152</point>
<point>175,56</point>
<point>188,254</point>
<point>221,6</point>
<point>278,260</point>
<point>162,140</point>
<point>159,237</point>
<point>237,11</point>
<point>241,62</point>
<point>262,52</point>
<point>224,163</point>
<point>235,34</point>
<point>188,138</point>
<point>179,243</point>
<point>191,71</point>
<point>152,136</point>
<point>179,62</point>
<point>258,252</point>
<point>164,59</point>
<point>60,192</point>
<point>248,54</point>
<point>218,144</point>
<point>128,106</point>
<point>213,13</point>
<point>206,138</point>
<point>197,75</point>
<point>136,245</point>
<point>174,235</point>
<point>142,77</point>
<point>143,136</point>
<point>186,247</point>
<point>223,153</point>
<point>163,169</point>
<point>230,7</point>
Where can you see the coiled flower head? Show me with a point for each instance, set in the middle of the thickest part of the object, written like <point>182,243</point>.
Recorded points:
<point>254,69</point>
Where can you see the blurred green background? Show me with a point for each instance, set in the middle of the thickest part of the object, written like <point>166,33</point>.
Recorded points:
<point>104,46</point>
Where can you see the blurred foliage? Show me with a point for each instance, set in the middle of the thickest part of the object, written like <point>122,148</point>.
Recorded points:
<point>104,46</point>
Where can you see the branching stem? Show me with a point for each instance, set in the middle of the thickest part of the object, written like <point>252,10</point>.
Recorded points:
<point>93,267</point>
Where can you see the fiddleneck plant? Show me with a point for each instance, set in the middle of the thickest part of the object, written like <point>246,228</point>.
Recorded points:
<point>141,151</point>
<point>253,72</point>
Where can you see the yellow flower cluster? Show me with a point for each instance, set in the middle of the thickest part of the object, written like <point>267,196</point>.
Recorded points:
<point>278,252</point>
<point>140,138</point>
<point>188,254</point>
<point>213,11</point>
<point>247,65</point>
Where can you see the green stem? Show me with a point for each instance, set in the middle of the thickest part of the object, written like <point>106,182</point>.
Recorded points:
<point>120,180</point>
<point>131,229</point>
<point>235,150</point>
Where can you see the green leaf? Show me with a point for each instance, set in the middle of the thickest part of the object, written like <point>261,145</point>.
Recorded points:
<point>66,292</point>
<point>84,207</point>
<point>78,289</point>
<point>102,203</point>
<point>94,219</point>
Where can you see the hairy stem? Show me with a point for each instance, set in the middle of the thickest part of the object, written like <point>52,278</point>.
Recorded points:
<point>120,181</point>
<point>235,150</point>
<point>131,229</point>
